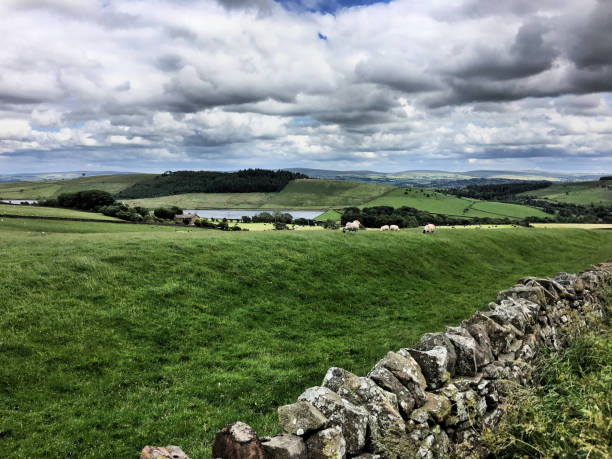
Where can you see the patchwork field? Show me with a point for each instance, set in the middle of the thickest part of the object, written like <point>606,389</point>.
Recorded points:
<point>440,203</point>
<point>117,336</point>
<point>7,209</point>
<point>298,194</point>
<point>584,193</point>
<point>53,188</point>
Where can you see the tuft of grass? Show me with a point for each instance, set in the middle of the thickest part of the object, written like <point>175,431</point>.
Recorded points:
<point>118,336</point>
<point>568,411</point>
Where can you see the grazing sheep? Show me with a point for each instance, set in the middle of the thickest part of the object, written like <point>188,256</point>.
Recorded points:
<point>351,226</point>
<point>384,228</point>
<point>429,228</point>
<point>394,228</point>
<point>358,223</point>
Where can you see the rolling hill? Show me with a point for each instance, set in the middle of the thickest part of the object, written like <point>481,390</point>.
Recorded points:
<point>43,189</point>
<point>439,203</point>
<point>584,193</point>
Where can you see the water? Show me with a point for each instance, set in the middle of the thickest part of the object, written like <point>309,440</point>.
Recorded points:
<point>235,214</point>
<point>18,201</point>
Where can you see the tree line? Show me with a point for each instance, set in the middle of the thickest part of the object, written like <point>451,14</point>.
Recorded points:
<point>179,182</point>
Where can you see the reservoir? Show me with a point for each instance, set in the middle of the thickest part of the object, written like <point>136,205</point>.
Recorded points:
<point>237,213</point>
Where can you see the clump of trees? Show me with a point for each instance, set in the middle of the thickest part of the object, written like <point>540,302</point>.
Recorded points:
<point>101,202</point>
<point>408,217</point>
<point>243,181</point>
<point>167,213</point>
<point>223,225</point>
<point>496,192</point>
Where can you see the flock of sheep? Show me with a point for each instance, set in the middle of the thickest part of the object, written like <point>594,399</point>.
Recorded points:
<point>355,226</point>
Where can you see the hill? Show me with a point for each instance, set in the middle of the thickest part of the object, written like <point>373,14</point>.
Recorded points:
<point>44,189</point>
<point>440,203</point>
<point>36,211</point>
<point>298,194</point>
<point>443,179</point>
<point>156,336</point>
<point>597,192</point>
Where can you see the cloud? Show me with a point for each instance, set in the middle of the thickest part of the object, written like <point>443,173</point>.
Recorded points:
<point>234,83</point>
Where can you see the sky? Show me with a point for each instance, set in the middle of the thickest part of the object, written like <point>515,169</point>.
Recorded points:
<point>155,85</point>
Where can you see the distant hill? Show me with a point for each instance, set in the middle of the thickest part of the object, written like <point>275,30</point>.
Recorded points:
<point>443,179</point>
<point>43,188</point>
<point>35,177</point>
<point>596,192</point>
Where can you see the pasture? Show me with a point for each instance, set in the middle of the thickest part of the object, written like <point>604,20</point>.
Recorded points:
<point>8,209</point>
<point>117,336</point>
<point>439,203</point>
<point>52,188</point>
<point>298,194</point>
<point>583,193</point>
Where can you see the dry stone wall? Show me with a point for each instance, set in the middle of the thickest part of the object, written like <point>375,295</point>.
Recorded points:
<point>431,401</point>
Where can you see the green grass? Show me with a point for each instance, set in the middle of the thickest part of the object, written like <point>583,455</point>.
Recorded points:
<point>329,215</point>
<point>439,203</point>
<point>21,210</point>
<point>126,335</point>
<point>583,193</point>
<point>568,412</point>
<point>205,201</point>
<point>53,188</point>
<point>298,194</point>
<point>325,194</point>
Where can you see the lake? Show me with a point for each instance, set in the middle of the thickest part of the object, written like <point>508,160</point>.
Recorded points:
<point>18,201</point>
<point>235,214</point>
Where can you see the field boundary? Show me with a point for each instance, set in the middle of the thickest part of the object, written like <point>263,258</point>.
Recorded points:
<point>436,399</point>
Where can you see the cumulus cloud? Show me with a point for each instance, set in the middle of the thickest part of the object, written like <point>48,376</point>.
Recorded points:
<point>226,84</point>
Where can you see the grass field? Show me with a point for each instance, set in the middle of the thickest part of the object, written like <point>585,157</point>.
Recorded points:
<point>53,188</point>
<point>205,201</point>
<point>7,209</point>
<point>440,203</point>
<point>584,193</point>
<point>329,215</point>
<point>298,194</point>
<point>117,336</point>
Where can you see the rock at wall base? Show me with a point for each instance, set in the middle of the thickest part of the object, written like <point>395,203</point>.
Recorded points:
<point>163,452</point>
<point>285,447</point>
<point>237,441</point>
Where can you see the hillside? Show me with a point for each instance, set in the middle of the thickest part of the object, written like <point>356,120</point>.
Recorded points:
<point>154,336</point>
<point>439,203</point>
<point>298,194</point>
<point>444,179</point>
<point>52,188</point>
<point>584,193</point>
<point>6,209</point>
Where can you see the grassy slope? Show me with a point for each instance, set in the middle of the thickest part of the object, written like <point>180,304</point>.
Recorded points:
<point>7,209</point>
<point>584,193</point>
<point>205,201</point>
<point>298,194</point>
<point>169,336</point>
<point>52,188</point>
<point>317,194</point>
<point>451,205</point>
<point>329,215</point>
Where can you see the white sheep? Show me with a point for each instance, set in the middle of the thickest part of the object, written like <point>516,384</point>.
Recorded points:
<point>384,228</point>
<point>429,228</point>
<point>394,228</point>
<point>350,226</point>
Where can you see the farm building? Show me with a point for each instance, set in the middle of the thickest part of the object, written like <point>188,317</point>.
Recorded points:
<point>185,219</point>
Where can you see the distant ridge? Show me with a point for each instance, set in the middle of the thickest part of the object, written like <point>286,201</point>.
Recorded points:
<point>38,176</point>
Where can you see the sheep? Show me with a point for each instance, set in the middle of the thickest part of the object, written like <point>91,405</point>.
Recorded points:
<point>351,226</point>
<point>384,228</point>
<point>358,223</point>
<point>394,228</point>
<point>429,228</point>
